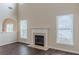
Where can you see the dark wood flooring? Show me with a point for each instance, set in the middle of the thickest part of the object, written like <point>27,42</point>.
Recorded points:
<point>23,49</point>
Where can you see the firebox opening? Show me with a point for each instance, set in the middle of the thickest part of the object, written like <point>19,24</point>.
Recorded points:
<point>39,40</point>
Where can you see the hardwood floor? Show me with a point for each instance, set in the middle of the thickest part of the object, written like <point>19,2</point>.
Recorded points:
<point>23,49</point>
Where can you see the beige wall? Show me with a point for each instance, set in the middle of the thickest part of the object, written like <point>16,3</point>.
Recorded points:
<point>44,15</point>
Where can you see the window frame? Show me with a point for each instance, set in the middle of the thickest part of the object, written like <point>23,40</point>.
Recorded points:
<point>72,19</point>
<point>26,34</point>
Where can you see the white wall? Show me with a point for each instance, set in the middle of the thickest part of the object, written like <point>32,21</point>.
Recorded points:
<point>5,12</point>
<point>7,38</point>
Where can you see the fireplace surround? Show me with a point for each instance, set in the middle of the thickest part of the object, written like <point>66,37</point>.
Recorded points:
<point>41,36</point>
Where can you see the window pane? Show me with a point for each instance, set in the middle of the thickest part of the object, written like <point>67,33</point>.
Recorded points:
<point>64,34</point>
<point>9,28</point>
<point>23,29</point>
<point>65,29</point>
<point>65,21</point>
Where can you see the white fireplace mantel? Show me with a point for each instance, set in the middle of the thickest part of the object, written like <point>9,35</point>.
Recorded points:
<point>40,31</point>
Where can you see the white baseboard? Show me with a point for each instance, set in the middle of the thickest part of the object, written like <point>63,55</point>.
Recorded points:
<point>64,50</point>
<point>24,42</point>
<point>7,43</point>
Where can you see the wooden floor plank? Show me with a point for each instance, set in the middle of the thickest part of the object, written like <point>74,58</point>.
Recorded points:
<point>23,49</point>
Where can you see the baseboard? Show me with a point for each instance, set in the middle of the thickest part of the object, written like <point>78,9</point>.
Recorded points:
<point>22,43</point>
<point>7,43</point>
<point>71,51</point>
<point>25,42</point>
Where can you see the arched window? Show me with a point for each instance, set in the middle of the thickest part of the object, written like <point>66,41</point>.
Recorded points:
<point>9,25</point>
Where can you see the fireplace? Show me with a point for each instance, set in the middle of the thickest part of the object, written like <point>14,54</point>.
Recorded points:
<point>39,40</point>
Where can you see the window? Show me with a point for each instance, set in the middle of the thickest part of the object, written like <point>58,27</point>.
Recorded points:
<point>23,29</point>
<point>0,27</point>
<point>65,29</point>
<point>9,27</point>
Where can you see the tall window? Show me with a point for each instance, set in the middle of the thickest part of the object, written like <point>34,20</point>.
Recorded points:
<point>9,28</point>
<point>23,29</point>
<point>65,29</point>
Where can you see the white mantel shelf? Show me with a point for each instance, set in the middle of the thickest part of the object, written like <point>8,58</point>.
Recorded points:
<point>47,28</point>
